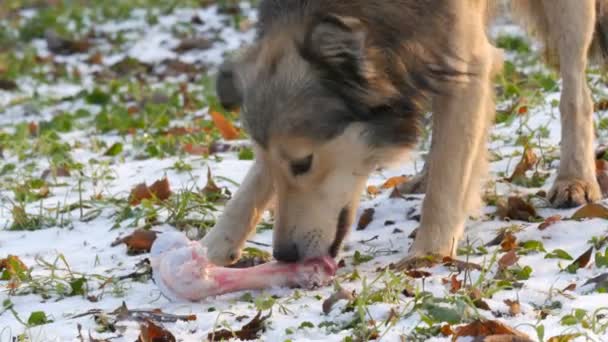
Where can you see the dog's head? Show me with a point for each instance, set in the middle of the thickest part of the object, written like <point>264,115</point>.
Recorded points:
<point>323,110</point>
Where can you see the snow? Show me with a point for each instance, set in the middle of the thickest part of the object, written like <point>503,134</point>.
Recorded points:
<point>86,245</point>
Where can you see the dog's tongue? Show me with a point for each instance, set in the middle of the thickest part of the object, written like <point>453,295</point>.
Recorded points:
<point>182,271</point>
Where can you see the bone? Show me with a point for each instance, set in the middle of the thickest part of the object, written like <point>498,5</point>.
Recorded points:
<point>182,272</point>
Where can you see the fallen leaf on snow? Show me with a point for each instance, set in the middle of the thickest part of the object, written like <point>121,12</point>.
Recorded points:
<point>591,210</point>
<point>140,241</point>
<point>581,262</point>
<point>151,332</point>
<point>249,331</point>
<point>461,265</point>
<point>514,306</point>
<point>507,260</point>
<point>394,182</point>
<point>366,218</point>
<point>60,171</point>
<point>509,242</point>
<point>195,150</point>
<point>228,131</point>
<point>527,162</point>
<point>516,209</point>
<point>159,190</point>
<point>482,328</point>
<point>549,221</point>
<point>194,43</point>
<point>338,295</point>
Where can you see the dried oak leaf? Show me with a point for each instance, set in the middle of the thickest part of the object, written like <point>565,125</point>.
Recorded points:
<point>249,331</point>
<point>527,162</point>
<point>228,131</point>
<point>151,332</point>
<point>366,218</point>
<point>417,274</point>
<point>516,209</point>
<point>549,221</point>
<point>140,241</point>
<point>159,190</point>
<point>455,284</point>
<point>591,210</point>
<point>488,329</point>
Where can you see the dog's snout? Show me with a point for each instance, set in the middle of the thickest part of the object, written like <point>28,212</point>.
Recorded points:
<point>286,253</point>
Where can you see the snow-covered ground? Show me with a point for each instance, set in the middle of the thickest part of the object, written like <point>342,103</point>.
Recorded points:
<point>78,243</point>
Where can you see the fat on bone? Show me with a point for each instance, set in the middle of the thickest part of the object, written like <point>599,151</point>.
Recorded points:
<point>182,272</point>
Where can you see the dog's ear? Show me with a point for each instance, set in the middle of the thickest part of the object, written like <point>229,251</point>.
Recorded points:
<point>227,87</point>
<point>335,42</point>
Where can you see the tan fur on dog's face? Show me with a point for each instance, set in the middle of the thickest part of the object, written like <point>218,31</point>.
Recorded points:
<point>316,204</point>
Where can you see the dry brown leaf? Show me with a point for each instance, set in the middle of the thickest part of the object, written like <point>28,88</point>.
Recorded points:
<point>228,131</point>
<point>460,265</point>
<point>570,287</point>
<point>446,330</point>
<point>591,210</point>
<point>140,241</point>
<point>194,43</point>
<point>159,190</point>
<point>582,261</point>
<point>481,304</point>
<point>509,242</point>
<point>507,260</point>
<point>195,150</point>
<point>516,209</point>
<point>455,284</point>
<point>418,274</point>
<point>335,297</point>
<point>32,128</point>
<point>249,331</point>
<point>151,332</point>
<point>366,218</point>
<point>549,221</point>
<point>527,162</point>
<point>482,328</point>
<point>514,307</point>
<point>373,190</point>
<point>394,182</point>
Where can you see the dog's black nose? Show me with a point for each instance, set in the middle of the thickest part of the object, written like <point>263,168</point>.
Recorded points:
<point>286,254</point>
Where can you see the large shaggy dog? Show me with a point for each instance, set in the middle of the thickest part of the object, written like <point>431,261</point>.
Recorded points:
<point>333,89</point>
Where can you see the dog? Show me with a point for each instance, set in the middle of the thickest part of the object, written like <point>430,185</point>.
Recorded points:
<point>331,90</point>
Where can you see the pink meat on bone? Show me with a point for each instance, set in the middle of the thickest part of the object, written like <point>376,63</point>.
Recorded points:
<point>182,272</point>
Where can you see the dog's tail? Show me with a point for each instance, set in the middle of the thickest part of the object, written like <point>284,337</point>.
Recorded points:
<point>599,47</point>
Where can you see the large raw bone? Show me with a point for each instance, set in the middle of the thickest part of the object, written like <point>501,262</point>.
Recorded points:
<point>182,272</point>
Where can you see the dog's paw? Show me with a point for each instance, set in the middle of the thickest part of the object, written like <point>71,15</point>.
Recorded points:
<point>573,193</point>
<point>222,250</point>
<point>416,185</point>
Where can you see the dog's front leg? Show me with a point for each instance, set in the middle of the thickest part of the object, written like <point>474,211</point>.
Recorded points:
<point>240,217</point>
<point>571,26</point>
<point>457,160</point>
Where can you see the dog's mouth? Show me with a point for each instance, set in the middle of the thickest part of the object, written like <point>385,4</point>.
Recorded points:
<point>341,230</point>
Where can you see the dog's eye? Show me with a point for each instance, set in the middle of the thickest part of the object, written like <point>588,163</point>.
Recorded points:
<point>300,167</point>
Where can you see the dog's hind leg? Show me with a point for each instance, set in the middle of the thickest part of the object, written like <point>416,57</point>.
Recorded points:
<point>462,116</point>
<point>226,240</point>
<point>570,28</point>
